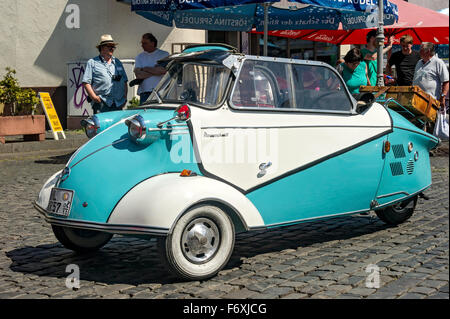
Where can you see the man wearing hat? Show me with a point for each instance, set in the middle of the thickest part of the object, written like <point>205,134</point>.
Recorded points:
<point>105,79</point>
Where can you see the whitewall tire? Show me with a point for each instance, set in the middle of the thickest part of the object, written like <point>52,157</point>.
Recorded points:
<point>200,243</point>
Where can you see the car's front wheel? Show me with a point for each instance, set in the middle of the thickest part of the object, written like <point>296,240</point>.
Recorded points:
<point>81,240</point>
<point>200,244</point>
<point>398,213</point>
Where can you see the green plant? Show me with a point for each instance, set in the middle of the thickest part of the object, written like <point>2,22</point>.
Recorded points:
<point>17,101</point>
<point>133,103</point>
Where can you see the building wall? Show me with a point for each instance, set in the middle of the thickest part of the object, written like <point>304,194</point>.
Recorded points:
<point>36,42</point>
<point>433,5</point>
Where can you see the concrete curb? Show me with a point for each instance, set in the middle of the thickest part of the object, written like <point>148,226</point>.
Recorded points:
<point>16,146</point>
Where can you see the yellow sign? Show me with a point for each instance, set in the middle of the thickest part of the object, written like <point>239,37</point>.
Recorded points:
<point>51,114</point>
<point>50,111</point>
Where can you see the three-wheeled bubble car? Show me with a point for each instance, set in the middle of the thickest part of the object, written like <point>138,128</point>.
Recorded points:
<point>229,143</point>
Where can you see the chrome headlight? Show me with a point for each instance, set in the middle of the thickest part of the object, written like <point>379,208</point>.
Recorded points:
<point>136,128</point>
<point>90,126</point>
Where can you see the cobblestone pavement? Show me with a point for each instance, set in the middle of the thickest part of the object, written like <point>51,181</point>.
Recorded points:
<point>326,259</point>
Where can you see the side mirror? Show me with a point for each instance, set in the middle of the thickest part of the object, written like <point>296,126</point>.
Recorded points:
<point>365,101</point>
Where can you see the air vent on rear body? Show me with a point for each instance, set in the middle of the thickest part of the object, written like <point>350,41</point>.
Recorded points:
<point>410,167</point>
<point>396,168</point>
<point>399,151</point>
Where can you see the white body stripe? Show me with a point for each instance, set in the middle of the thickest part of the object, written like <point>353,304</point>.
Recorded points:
<point>160,200</point>
<point>233,144</point>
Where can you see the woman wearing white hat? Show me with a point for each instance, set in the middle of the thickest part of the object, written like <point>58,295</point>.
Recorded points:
<point>105,79</point>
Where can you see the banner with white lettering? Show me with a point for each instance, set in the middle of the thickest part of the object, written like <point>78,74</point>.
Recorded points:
<point>164,5</point>
<point>354,5</point>
<point>161,17</point>
<point>239,18</point>
<point>305,18</point>
<point>363,20</point>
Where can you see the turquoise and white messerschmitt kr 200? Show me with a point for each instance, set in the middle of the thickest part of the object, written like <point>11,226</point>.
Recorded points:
<point>229,143</point>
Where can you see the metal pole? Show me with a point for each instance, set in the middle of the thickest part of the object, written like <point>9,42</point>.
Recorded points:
<point>266,27</point>
<point>380,41</point>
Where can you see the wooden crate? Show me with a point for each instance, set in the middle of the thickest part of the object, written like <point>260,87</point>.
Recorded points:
<point>413,98</point>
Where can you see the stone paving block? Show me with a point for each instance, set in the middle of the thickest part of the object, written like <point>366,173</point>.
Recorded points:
<point>318,273</point>
<point>328,294</point>
<point>304,278</point>
<point>336,276</point>
<point>353,280</point>
<point>279,291</point>
<point>289,274</point>
<point>390,290</point>
<point>426,270</point>
<point>148,295</point>
<point>293,284</point>
<point>280,267</point>
<point>309,289</point>
<point>117,295</point>
<point>268,273</point>
<point>401,269</point>
<point>340,288</point>
<point>362,292</point>
<point>423,290</point>
<point>436,284</point>
<point>324,283</point>
<point>259,286</point>
<point>240,294</point>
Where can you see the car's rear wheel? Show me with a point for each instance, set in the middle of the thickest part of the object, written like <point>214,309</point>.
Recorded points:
<point>398,213</point>
<point>200,244</point>
<point>81,240</point>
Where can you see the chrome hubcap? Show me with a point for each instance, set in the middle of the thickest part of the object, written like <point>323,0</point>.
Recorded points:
<point>200,240</point>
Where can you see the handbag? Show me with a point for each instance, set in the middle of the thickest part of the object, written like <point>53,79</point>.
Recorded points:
<point>441,127</point>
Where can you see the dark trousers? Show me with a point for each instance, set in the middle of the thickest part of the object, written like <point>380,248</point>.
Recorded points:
<point>103,107</point>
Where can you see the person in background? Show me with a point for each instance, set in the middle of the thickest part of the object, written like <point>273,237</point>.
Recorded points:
<point>354,71</point>
<point>370,55</point>
<point>146,67</point>
<point>104,79</point>
<point>404,61</point>
<point>431,74</point>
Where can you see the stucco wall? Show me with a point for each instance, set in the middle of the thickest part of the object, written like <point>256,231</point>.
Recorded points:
<point>35,41</point>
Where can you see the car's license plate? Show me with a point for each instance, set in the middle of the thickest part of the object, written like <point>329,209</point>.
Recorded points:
<point>60,201</point>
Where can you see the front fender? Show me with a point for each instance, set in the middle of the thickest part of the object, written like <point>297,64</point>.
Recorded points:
<point>44,194</point>
<point>159,201</point>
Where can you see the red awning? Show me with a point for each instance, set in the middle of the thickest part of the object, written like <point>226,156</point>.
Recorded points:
<point>424,25</point>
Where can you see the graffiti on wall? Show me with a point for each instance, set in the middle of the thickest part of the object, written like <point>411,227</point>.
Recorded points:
<point>77,104</point>
<point>77,95</point>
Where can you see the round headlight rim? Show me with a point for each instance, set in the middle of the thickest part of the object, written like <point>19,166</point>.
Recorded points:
<point>92,121</point>
<point>137,120</point>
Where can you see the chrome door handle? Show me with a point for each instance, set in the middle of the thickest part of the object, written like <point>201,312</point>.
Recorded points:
<point>264,166</point>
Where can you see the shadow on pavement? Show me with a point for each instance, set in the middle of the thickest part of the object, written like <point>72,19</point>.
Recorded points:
<point>55,159</point>
<point>127,260</point>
